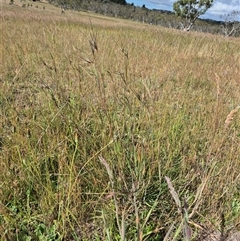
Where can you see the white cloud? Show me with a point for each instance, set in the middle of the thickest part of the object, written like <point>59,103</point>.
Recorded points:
<point>223,8</point>
<point>163,4</point>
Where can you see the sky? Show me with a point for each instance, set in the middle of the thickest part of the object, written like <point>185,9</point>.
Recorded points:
<point>220,7</point>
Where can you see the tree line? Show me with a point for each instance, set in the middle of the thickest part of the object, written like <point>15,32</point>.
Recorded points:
<point>185,14</point>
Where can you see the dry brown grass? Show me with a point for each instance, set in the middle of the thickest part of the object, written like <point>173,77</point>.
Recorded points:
<point>148,101</point>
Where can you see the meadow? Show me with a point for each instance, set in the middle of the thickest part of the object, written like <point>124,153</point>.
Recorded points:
<point>115,130</point>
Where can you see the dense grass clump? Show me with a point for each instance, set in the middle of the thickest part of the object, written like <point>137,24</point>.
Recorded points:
<point>94,116</point>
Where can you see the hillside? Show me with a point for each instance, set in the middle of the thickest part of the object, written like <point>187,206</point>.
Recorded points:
<point>142,14</point>
<point>112,129</point>
<point>120,9</point>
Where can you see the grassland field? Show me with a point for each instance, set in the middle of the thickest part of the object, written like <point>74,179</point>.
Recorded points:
<point>115,130</point>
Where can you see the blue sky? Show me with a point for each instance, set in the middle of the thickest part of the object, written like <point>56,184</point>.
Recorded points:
<point>220,7</point>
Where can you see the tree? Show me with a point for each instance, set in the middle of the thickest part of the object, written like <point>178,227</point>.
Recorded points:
<point>231,26</point>
<point>190,10</point>
<point>123,2</point>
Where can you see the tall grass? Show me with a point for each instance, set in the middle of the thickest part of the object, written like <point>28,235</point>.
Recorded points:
<point>94,116</point>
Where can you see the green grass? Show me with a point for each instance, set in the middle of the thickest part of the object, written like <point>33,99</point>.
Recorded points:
<point>87,136</point>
